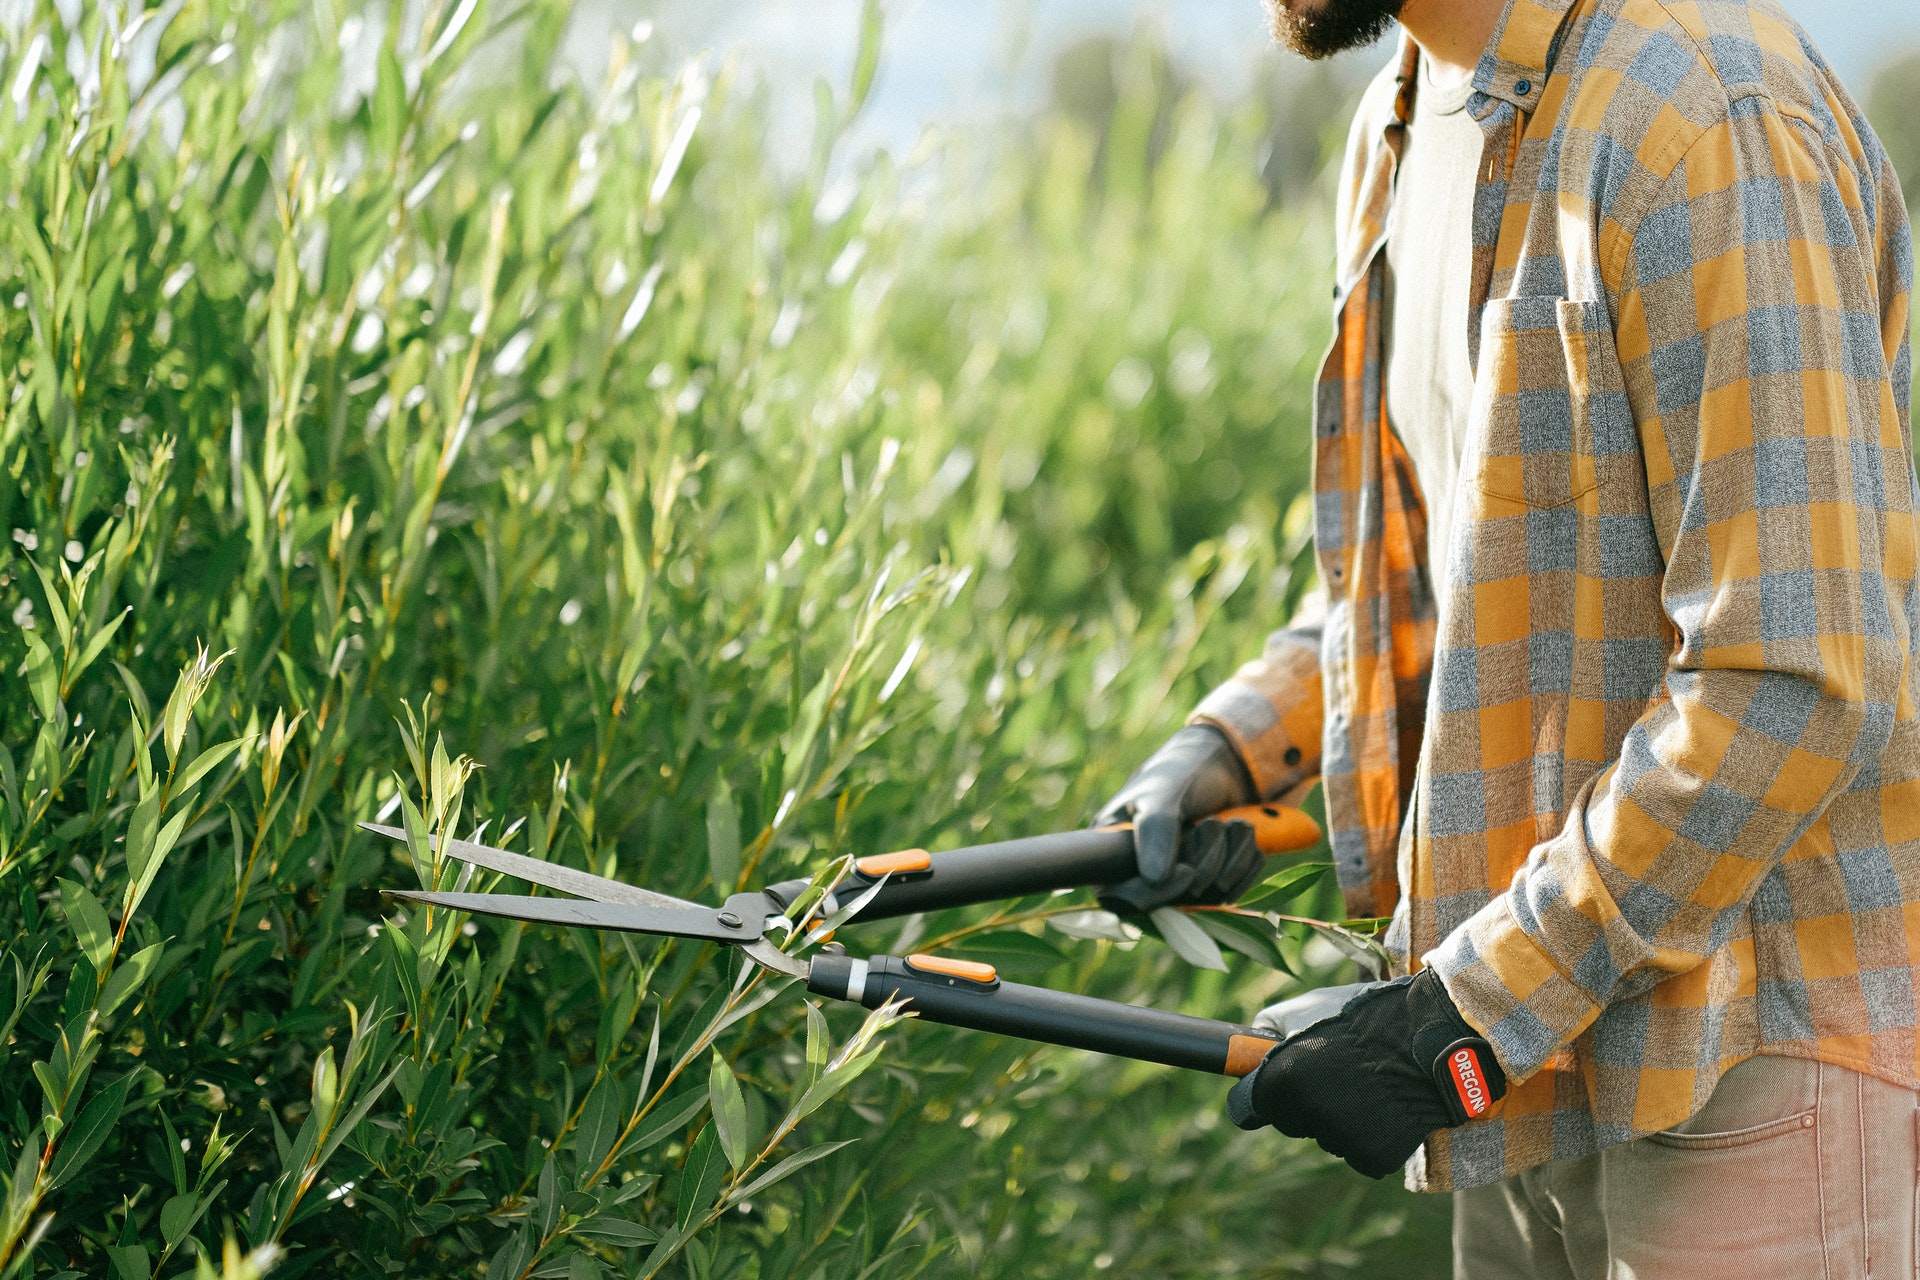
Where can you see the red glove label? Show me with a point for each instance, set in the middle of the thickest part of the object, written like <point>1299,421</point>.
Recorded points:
<point>1469,1081</point>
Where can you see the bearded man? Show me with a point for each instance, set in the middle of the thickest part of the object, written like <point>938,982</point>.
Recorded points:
<point>1612,690</point>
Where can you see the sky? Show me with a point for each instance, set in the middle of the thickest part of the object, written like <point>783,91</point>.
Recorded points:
<point>951,60</point>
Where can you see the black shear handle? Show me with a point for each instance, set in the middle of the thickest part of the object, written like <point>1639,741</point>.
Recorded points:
<point>964,993</point>
<point>922,881</point>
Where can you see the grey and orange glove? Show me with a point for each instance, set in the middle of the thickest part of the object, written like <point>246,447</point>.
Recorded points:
<point>1184,856</point>
<point>1368,1071</point>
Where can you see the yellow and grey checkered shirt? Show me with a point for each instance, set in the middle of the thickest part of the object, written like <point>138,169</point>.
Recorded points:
<point>1641,779</point>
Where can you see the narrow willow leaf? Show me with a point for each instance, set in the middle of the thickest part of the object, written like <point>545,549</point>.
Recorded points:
<point>88,920</point>
<point>101,638</point>
<point>867,58</point>
<point>670,1119</point>
<point>177,1217</point>
<point>1188,940</point>
<point>723,837</point>
<point>90,1131</point>
<point>1252,935</point>
<point>614,1231</point>
<point>127,977</point>
<point>405,960</point>
<point>206,761</point>
<point>788,1167</point>
<point>549,1196</point>
<point>43,677</point>
<point>163,843</point>
<point>729,1111</point>
<point>700,1179</point>
<point>142,829</point>
<point>326,1084</point>
<point>837,1078</point>
<point>817,1046</point>
<point>599,1125</point>
<point>615,1021</point>
<point>1290,882</point>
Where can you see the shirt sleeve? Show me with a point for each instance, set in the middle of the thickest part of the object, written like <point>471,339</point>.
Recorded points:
<point>1760,360</point>
<point>1271,709</point>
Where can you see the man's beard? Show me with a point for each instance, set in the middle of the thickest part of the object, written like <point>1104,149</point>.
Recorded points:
<point>1322,28</point>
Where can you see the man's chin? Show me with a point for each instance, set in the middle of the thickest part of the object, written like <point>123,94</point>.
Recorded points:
<point>1319,29</point>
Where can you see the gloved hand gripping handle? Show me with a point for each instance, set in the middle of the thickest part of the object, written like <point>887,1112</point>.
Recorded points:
<point>960,993</point>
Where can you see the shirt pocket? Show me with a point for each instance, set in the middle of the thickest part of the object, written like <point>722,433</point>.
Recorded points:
<point>1542,380</point>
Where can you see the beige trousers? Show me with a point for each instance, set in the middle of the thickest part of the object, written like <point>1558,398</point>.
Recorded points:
<point>1793,1171</point>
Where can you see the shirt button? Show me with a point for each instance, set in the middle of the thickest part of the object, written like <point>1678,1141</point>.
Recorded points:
<point>1523,87</point>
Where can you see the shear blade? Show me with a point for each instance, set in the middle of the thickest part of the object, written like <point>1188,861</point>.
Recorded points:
<point>676,922</point>
<point>548,875</point>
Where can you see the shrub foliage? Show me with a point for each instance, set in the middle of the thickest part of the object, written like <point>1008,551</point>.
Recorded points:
<point>394,426</point>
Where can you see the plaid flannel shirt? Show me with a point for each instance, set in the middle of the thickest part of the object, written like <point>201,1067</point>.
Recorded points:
<point>1642,778</point>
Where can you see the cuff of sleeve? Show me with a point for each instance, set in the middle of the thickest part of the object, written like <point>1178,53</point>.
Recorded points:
<point>1510,991</point>
<point>1277,760</point>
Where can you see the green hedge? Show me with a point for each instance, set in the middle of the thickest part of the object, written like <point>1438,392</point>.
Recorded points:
<point>392,425</point>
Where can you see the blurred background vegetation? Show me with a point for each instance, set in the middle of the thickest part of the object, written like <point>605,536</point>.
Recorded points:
<point>384,400</point>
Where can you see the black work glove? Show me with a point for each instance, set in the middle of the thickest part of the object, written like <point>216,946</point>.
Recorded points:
<point>1370,1082</point>
<point>1195,775</point>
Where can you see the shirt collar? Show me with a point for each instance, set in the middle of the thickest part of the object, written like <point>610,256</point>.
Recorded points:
<point>1514,67</point>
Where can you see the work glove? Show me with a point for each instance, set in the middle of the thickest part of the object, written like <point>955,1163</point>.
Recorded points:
<point>1371,1076</point>
<point>1195,775</point>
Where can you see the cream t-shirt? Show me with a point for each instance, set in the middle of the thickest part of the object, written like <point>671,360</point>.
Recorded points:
<point>1430,278</point>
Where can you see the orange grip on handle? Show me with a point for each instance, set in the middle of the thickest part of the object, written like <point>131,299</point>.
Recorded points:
<point>1277,828</point>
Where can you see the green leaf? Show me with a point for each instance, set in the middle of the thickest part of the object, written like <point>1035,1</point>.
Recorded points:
<point>818,1046</point>
<point>867,58</point>
<point>127,977</point>
<point>101,639</point>
<point>177,1217</point>
<point>513,1256</point>
<point>614,1231</point>
<point>1189,941</point>
<point>549,1196</point>
<point>615,1021</point>
<point>88,1133</point>
<point>405,961</point>
<point>823,1089</point>
<point>600,1123</point>
<point>389,104</point>
<point>88,920</point>
<point>344,1130</point>
<point>1289,882</point>
<point>142,828</point>
<point>206,761</point>
<point>43,677</point>
<point>788,1167</point>
<point>61,623</point>
<point>326,1084</point>
<point>1368,954</point>
<point>723,837</point>
<point>1014,952</point>
<point>1251,935</point>
<point>700,1179</point>
<point>729,1111</point>
<point>130,1261</point>
<point>145,868</point>
<point>670,1119</point>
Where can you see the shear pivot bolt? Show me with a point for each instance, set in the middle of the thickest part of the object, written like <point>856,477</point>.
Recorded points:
<point>729,919</point>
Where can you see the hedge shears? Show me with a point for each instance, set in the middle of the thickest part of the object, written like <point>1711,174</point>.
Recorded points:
<point>943,989</point>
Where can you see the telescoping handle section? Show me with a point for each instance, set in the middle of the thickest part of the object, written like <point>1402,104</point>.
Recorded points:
<point>963,993</point>
<point>922,881</point>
